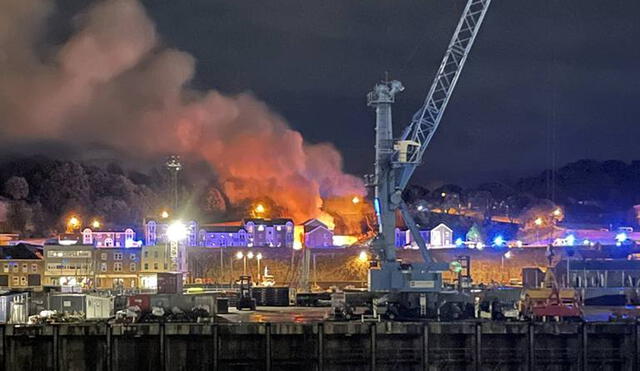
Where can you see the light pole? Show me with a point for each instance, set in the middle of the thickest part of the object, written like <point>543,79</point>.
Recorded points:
<point>176,232</point>
<point>240,255</point>
<point>258,258</point>
<point>506,255</point>
<point>538,223</point>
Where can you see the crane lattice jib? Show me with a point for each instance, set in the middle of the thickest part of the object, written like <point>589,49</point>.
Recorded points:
<point>425,122</point>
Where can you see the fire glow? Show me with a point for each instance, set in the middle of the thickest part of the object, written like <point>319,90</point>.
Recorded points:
<point>117,85</point>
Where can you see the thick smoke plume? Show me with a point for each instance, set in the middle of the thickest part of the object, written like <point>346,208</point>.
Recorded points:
<point>112,82</point>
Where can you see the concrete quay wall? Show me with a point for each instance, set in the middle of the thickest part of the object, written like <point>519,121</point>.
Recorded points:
<point>322,346</point>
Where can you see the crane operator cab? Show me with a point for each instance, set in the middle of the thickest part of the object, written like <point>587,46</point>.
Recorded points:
<point>407,151</point>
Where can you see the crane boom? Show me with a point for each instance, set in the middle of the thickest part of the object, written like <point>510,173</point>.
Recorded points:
<point>396,160</point>
<point>426,120</point>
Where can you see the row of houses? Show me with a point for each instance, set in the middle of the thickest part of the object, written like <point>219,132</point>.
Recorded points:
<point>30,267</point>
<point>253,232</point>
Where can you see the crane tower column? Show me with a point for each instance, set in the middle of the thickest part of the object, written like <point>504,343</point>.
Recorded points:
<point>381,98</point>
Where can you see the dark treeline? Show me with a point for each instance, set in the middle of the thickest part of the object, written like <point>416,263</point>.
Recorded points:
<point>39,193</point>
<point>589,191</point>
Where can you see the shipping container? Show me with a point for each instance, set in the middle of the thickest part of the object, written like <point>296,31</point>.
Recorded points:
<point>271,296</point>
<point>93,307</point>
<point>14,307</point>
<point>143,301</point>
<point>169,283</point>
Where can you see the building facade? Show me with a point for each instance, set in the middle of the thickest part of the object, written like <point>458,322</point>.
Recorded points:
<point>21,274</point>
<point>71,265</point>
<point>117,268</point>
<point>156,232</point>
<point>248,233</point>
<point>125,238</point>
<point>438,237</point>
<point>154,259</point>
<point>317,234</point>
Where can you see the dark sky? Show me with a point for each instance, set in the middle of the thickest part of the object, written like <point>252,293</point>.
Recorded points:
<point>546,79</point>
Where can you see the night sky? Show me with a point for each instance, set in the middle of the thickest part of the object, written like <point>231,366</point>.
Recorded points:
<point>547,82</point>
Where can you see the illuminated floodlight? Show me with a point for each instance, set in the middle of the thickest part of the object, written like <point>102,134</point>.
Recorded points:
<point>176,231</point>
<point>508,255</point>
<point>443,194</point>
<point>459,242</point>
<point>518,243</point>
<point>95,224</point>
<point>250,255</point>
<point>571,240</point>
<point>164,214</point>
<point>557,212</point>
<point>260,209</point>
<point>586,242</point>
<point>363,257</point>
<point>479,246</point>
<point>239,255</point>
<point>420,208</point>
<point>259,256</point>
<point>621,237</point>
<point>498,241</point>
<point>355,200</point>
<point>73,222</point>
<point>538,221</point>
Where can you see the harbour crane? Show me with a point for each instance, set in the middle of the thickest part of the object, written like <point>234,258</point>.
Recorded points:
<point>396,161</point>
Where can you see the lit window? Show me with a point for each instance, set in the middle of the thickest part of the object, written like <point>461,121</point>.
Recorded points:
<point>261,228</point>
<point>5,268</point>
<point>15,267</point>
<point>23,281</point>
<point>25,268</point>
<point>15,280</point>
<point>279,228</point>
<point>117,256</point>
<point>117,267</point>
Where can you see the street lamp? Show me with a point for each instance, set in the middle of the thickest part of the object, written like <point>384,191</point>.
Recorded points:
<point>95,224</point>
<point>73,223</point>
<point>260,209</point>
<point>164,214</point>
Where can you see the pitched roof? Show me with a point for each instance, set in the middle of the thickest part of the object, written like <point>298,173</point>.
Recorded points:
<point>312,224</point>
<point>222,228</point>
<point>21,251</point>
<point>268,222</point>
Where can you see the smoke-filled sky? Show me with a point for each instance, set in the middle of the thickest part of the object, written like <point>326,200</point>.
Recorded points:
<point>547,82</point>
